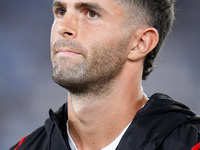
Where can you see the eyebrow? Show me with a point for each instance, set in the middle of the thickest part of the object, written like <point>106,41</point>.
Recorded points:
<point>57,4</point>
<point>94,6</point>
<point>79,5</point>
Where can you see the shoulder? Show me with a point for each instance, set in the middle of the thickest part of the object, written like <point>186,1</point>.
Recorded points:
<point>51,132</point>
<point>181,125</point>
<point>36,140</point>
<point>185,136</point>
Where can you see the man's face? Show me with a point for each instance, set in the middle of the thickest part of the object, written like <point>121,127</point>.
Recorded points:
<point>88,43</point>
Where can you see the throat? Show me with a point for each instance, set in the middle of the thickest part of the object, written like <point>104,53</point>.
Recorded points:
<point>113,145</point>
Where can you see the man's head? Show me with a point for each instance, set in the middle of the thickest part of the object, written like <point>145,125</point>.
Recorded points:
<point>91,40</point>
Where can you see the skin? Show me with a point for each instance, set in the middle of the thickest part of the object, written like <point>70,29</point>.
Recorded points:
<point>101,64</point>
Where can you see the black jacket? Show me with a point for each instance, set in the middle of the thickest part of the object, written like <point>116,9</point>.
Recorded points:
<point>163,124</point>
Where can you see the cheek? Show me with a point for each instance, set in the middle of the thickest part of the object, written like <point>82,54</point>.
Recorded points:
<point>54,33</point>
<point>96,31</point>
<point>99,37</point>
<point>52,40</point>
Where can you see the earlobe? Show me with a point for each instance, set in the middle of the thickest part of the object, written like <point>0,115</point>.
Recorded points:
<point>145,41</point>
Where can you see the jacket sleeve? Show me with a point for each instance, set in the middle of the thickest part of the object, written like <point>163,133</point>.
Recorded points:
<point>184,137</point>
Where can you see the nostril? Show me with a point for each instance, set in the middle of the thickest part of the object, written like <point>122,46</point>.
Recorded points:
<point>68,33</point>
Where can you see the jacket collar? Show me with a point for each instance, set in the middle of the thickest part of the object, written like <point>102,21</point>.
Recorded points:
<point>55,127</point>
<point>148,129</point>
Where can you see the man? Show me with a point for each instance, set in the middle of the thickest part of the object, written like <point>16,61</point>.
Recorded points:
<point>100,52</point>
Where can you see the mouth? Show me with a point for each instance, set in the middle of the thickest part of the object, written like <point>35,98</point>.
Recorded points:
<point>67,52</point>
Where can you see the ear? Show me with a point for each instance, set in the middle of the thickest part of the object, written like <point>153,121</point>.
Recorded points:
<point>143,42</point>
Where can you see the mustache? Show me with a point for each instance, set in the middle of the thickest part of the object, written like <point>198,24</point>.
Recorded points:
<point>69,44</point>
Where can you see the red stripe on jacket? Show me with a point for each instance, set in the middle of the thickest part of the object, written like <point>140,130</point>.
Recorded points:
<point>20,143</point>
<point>196,147</point>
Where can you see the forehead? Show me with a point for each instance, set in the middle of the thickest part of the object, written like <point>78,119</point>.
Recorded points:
<point>93,1</point>
<point>111,6</point>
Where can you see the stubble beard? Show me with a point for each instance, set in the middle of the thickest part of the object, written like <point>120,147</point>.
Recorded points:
<point>93,74</point>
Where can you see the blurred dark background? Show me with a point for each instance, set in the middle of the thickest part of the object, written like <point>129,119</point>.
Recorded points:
<point>27,90</point>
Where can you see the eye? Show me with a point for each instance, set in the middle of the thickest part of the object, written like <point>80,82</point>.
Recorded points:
<point>60,11</point>
<point>92,14</point>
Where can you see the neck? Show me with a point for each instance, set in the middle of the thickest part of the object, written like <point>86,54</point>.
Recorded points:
<point>102,117</point>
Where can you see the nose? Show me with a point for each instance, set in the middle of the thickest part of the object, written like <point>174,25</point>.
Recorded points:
<point>68,26</point>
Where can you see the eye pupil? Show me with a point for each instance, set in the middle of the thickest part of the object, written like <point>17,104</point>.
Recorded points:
<point>92,14</point>
<point>61,12</point>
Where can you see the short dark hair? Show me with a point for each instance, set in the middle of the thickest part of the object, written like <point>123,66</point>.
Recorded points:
<point>158,14</point>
